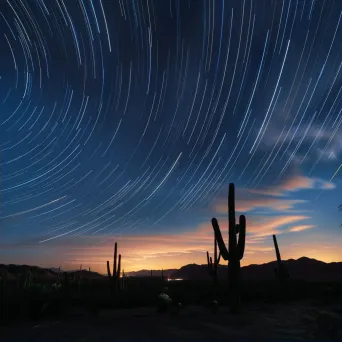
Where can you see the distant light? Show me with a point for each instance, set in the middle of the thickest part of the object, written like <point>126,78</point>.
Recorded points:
<point>177,279</point>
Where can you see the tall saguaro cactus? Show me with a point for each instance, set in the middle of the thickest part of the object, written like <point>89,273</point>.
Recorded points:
<point>115,277</point>
<point>281,272</point>
<point>236,248</point>
<point>213,264</point>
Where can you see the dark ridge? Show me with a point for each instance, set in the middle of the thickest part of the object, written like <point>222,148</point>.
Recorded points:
<point>303,268</point>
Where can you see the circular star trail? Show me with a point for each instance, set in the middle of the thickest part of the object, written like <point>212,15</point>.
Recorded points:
<point>122,116</point>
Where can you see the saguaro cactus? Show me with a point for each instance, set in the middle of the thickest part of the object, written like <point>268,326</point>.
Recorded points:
<point>236,248</point>
<point>213,264</point>
<point>281,272</point>
<point>115,277</point>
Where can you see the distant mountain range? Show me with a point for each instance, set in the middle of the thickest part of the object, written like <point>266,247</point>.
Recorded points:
<point>303,268</point>
<point>43,274</point>
<point>155,273</point>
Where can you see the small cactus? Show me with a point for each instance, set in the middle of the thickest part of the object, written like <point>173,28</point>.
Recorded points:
<point>213,264</point>
<point>115,277</point>
<point>236,248</point>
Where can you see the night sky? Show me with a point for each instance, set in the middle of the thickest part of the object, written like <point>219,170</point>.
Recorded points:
<point>126,121</point>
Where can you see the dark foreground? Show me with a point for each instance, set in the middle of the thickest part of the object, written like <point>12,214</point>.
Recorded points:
<point>292,321</point>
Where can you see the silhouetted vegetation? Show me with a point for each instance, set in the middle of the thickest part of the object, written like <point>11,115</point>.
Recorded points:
<point>236,248</point>
<point>213,264</point>
<point>36,294</point>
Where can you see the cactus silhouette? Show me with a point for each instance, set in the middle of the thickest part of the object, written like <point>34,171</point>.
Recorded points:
<point>115,277</point>
<point>281,272</point>
<point>235,251</point>
<point>213,264</point>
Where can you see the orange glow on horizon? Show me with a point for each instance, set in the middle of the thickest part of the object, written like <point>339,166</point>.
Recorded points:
<point>171,250</point>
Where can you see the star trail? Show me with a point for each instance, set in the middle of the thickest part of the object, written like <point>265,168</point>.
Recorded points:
<point>130,117</point>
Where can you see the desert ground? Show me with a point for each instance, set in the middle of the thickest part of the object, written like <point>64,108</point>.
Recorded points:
<point>304,320</point>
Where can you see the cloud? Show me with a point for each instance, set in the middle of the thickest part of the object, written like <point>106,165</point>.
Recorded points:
<point>316,134</point>
<point>272,225</point>
<point>247,199</point>
<point>293,184</point>
<point>258,227</point>
<point>251,204</point>
<point>301,228</point>
<point>296,133</point>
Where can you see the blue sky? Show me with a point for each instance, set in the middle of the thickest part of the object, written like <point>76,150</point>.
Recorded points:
<point>127,121</point>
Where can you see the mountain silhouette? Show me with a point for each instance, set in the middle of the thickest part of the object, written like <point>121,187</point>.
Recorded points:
<point>302,269</point>
<point>44,274</point>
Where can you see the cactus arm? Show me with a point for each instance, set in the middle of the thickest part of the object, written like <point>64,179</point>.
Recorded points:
<point>242,236</point>
<point>281,272</point>
<point>119,267</point>
<point>218,236</point>
<point>234,251</point>
<point>208,260</point>
<point>276,249</point>
<point>108,270</point>
<point>115,258</point>
<point>231,219</point>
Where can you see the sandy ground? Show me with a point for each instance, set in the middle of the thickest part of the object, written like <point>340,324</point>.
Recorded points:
<point>293,321</point>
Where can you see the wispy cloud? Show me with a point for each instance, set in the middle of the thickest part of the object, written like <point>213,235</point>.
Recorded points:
<point>255,203</point>
<point>301,228</point>
<point>318,137</point>
<point>294,184</point>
